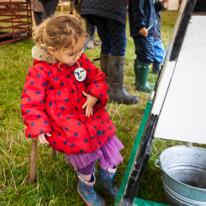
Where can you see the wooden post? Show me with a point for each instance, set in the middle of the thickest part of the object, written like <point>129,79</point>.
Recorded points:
<point>62,7</point>
<point>33,21</point>
<point>54,153</point>
<point>33,161</point>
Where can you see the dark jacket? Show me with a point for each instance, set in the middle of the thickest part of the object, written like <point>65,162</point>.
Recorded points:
<point>157,35</point>
<point>112,9</point>
<point>142,15</point>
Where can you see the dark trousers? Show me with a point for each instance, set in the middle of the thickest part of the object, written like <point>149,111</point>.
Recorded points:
<point>39,17</point>
<point>50,7</point>
<point>144,48</point>
<point>112,34</point>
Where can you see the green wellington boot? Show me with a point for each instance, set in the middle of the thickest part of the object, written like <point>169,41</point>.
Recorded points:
<point>141,71</point>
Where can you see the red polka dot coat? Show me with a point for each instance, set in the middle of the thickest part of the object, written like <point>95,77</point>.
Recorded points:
<point>52,102</point>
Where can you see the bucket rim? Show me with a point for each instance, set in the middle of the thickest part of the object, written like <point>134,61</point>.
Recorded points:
<point>181,146</point>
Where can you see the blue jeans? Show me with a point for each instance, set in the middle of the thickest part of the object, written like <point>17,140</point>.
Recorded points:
<point>144,48</point>
<point>112,34</point>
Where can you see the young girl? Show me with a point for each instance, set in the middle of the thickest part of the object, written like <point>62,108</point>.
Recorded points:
<point>63,105</point>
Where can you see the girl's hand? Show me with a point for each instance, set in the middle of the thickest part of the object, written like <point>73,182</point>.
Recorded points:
<point>164,2</point>
<point>89,104</point>
<point>143,32</point>
<point>42,139</point>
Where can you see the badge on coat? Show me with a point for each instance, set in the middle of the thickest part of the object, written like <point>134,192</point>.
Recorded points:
<point>80,74</point>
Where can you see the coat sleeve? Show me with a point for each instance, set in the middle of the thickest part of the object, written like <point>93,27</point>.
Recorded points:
<point>33,105</point>
<point>95,81</point>
<point>138,14</point>
<point>158,7</point>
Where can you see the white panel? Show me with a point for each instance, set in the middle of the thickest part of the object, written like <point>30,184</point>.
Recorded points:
<point>162,87</point>
<point>173,5</point>
<point>183,116</point>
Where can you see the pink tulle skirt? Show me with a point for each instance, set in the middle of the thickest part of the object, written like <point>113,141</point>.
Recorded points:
<point>108,155</point>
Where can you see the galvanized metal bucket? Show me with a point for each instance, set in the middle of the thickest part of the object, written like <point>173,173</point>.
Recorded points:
<point>183,175</point>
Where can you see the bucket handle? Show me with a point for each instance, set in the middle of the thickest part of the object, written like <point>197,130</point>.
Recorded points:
<point>158,164</point>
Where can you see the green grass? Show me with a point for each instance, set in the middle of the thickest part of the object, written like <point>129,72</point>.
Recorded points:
<point>56,181</point>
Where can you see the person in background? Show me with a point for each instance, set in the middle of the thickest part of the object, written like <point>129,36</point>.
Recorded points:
<point>49,6</point>
<point>39,12</point>
<point>110,19</point>
<point>90,29</point>
<point>63,104</point>
<point>158,47</point>
<point>142,22</point>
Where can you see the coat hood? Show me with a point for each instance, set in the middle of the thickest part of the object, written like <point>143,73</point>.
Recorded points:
<point>40,53</point>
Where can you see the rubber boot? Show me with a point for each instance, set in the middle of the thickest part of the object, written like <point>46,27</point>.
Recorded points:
<point>116,77</point>
<point>156,67</point>
<point>87,192</point>
<point>104,63</point>
<point>141,71</point>
<point>105,180</point>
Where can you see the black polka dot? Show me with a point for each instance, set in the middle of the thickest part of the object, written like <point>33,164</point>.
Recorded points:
<point>65,142</point>
<point>41,131</point>
<point>85,140</point>
<point>32,124</point>
<point>72,145</point>
<point>54,143</point>
<point>99,133</point>
<point>81,151</point>
<point>75,134</point>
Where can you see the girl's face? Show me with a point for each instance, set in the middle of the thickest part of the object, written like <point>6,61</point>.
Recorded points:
<point>69,56</point>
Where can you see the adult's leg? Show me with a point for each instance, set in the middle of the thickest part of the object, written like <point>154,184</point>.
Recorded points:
<point>50,7</point>
<point>106,46</point>
<point>37,17</point>
<point>117,92</point>
<point>103,33</point>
